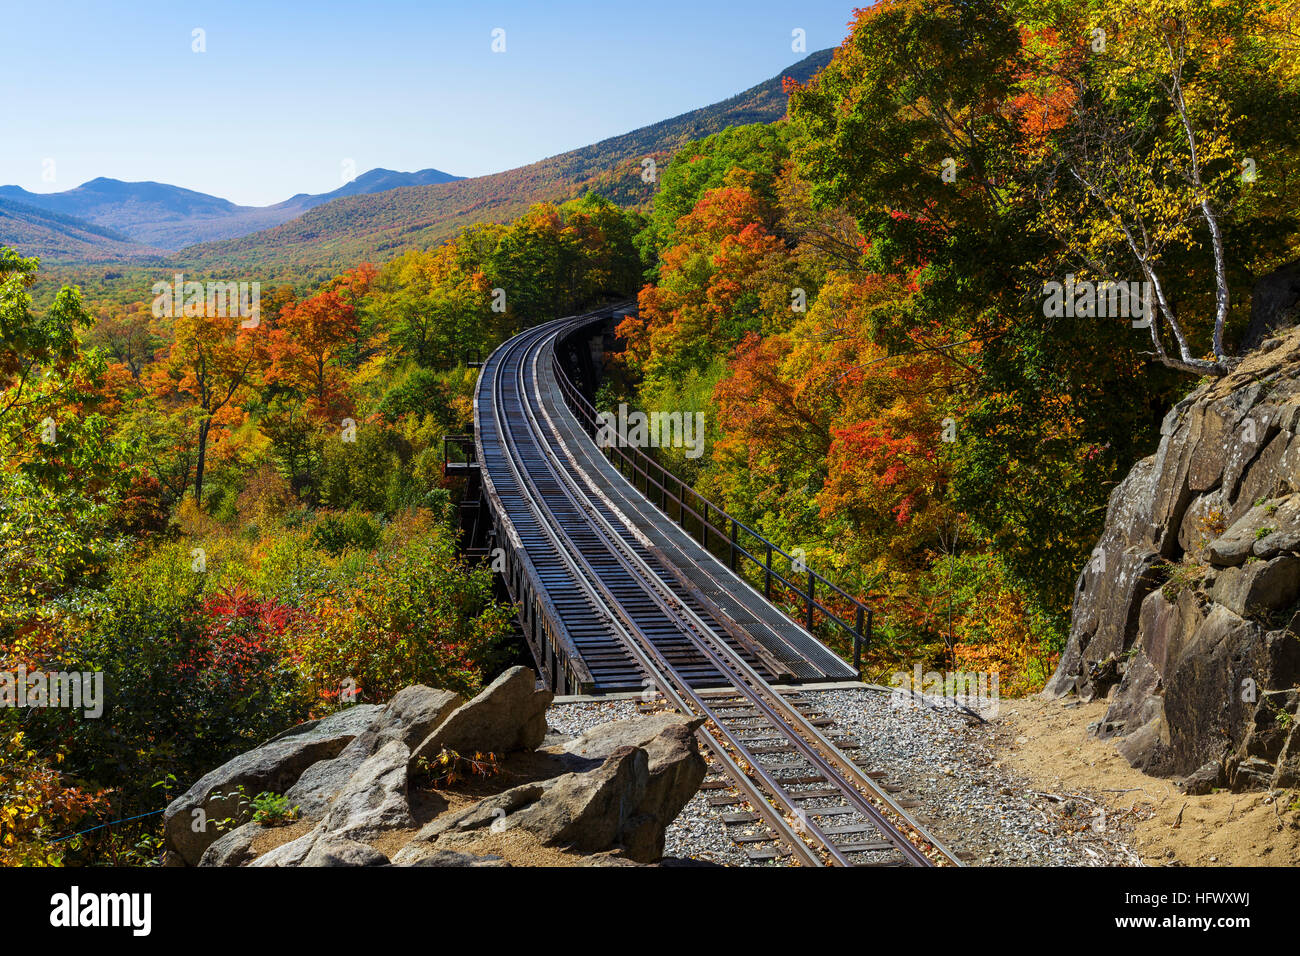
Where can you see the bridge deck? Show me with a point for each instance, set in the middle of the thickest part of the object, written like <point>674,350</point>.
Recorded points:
<point>765,637</point>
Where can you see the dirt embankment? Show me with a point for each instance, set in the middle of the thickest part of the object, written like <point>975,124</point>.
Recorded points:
<point>1048,743</point>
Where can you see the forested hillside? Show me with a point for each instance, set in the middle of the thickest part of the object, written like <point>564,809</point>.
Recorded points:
<point>41,232</point>
<point>856,298</point>
<point>379,225</point>
<point>245,527</point>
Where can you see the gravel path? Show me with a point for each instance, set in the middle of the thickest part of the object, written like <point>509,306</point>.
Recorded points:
<point>942,759</point>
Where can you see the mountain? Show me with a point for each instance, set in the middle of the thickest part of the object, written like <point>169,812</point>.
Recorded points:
<point>169,217</point>
<point>52,235</point>
<point>379,225</point>
<point>375,181</point>
<point>375,216</point>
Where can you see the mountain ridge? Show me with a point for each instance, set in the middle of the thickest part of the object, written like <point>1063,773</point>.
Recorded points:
<point>374,226</point>
<point>41,232</point>
<point>171,217</point>
<point>374,216</point>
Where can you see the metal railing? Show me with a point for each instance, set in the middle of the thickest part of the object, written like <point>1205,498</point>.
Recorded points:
<point>458,453</point>
<point>673,491</point>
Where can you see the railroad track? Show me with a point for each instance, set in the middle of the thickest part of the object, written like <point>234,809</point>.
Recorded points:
<point>805,793</point>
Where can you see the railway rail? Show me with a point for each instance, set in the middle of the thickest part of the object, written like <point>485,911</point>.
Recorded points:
<point>604,596</point>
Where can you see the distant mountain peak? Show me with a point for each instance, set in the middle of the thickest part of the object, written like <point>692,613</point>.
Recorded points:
<point>381,211</point>
<point>166,216</point>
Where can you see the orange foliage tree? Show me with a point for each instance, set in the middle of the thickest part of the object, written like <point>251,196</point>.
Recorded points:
<point>309,337</point>
<point>206,366</point>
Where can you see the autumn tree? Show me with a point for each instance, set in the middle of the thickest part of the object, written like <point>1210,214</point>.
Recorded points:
<point>60,468</point>
<point>207,365</point>
<point>311,335</point>
<point>127,336</point>
<point>434,307</point>
<point>724,273</point>
<point>31,345</point>
<point>1147,175</point>
<point>932,127</point>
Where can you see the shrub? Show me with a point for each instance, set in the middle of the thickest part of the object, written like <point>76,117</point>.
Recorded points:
<point>338,533</point>
<point>143,511</point>
<point>414,615</point>
<point>290,568</point>
<point>273,809</point>
<point>50,542</point>
<point>37,805</point>
<point>264,497</point>
<point>357,474</point>
<point>420,391</point>
<point>190,679</point>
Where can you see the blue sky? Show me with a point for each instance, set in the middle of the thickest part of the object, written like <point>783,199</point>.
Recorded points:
<point>286,93</point>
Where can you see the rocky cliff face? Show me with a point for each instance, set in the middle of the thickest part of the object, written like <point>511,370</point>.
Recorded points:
<point>1187,615</point>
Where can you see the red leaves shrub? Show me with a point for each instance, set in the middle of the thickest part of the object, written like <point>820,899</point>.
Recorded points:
<point>241,636</point>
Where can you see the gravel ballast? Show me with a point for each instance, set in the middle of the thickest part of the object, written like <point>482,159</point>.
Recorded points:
<point>941,758</point>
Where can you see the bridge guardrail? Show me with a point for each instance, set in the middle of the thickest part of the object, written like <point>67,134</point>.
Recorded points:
<point>458,454</point>
<point>640,465</point>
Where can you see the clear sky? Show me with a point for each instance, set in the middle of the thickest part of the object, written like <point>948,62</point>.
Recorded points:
<point>288,92</point>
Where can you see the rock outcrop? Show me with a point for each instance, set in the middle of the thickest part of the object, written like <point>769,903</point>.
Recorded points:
<point>189,823</point>
<point>630,779</point>
<point>1274,305</point>
<point>674,768</point>
<point>508,715</point>
<point>604,798</point>
<point>1186,615</point>
<point>408,718</point>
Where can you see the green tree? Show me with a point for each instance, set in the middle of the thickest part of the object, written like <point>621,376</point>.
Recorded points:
<point>31,345</point>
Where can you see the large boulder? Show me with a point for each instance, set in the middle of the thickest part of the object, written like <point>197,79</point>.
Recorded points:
<point>608,794</point>
<point>1144,745</point>
<point>321,782</point>
<point>234,848</point>
<point>630,779</point>
<point>374,799</point>
<point>509,714</point>
<point>674,763</point>
<point>408,718</point>
<point>1185,612</point>
<point>189,823</point>
<point>588,811</point>
<point>1258,588</point>
<point>343,852</point>
<point>355,719</point>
